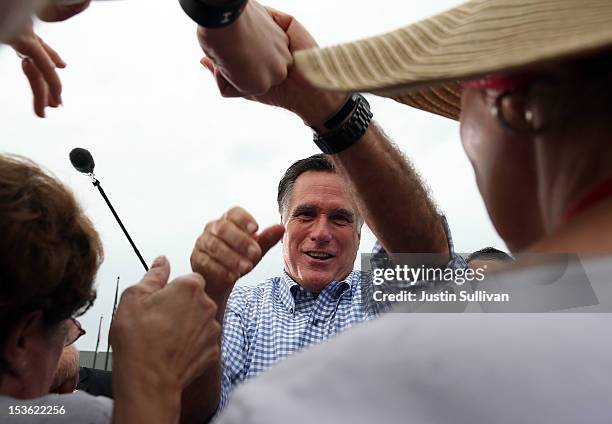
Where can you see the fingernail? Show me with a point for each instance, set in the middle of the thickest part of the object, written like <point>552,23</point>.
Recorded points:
<point>252,252</point>
<point>251,227</point>
<point>244,267</point>
<point>158,261</point>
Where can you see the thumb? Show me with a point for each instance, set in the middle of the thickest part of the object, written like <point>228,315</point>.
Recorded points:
<point>157,276</point>
<point>225,87</point>
<point>269,237</point>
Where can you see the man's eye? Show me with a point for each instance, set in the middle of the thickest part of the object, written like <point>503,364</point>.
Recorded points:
<point>341,220</point>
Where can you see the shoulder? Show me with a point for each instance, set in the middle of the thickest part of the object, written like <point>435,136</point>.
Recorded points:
<point>89,403</point>
<point>372,352</point>
<point>245,296</point>
<point>75,407</point>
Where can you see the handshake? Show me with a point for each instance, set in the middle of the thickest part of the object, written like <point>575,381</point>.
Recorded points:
<point>245,47</point>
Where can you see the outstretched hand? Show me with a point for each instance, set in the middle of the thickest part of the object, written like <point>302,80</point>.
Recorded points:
<point>166,328</point>
<point>39,63</point>
<point>229,248</point>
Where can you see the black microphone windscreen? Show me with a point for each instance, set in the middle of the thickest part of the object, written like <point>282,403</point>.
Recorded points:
<point>82,160</point>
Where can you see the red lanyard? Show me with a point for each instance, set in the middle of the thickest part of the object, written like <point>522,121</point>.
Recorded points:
<point>599,193</point>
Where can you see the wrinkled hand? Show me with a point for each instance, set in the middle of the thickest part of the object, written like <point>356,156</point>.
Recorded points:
<point>229,248</point>
<point>60,10</point>
<point>294,94</point>
<point>251,54</point>
<point>168,329</point>
<point>40,63</point>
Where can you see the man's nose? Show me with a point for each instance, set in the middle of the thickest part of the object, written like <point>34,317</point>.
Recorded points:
<point>320,231</point>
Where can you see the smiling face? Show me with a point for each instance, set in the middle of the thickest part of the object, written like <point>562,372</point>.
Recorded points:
<point>321,231</point>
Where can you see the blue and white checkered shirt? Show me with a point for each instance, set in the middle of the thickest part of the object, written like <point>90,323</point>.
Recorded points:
<point>266,323</point>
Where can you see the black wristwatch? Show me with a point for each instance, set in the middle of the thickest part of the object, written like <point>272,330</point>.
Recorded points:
<point>213,16</point>
<point>347,126</point>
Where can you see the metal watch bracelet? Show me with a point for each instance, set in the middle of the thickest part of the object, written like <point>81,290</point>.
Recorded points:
<point>349,132</point>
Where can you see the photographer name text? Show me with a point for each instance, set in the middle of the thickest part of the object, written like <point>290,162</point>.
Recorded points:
<point>423,296</point>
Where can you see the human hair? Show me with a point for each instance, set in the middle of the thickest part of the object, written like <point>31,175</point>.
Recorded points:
<point>318,162</point>
<point>488,254</point>
<point>49,250</point>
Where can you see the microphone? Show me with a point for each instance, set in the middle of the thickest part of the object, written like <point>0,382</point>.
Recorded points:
<point>83,162</point>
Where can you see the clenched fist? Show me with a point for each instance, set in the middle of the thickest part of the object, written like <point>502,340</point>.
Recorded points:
<point>251,55</point>
<point>229,248</point>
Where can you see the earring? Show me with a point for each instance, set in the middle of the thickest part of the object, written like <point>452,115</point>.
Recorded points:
<point>526,126</point>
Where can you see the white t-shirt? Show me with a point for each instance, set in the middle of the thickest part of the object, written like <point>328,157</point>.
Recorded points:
<point>447,368</point>
<point>78,408</point>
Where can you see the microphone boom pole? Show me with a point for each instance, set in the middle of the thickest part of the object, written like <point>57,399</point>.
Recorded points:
<point>83,162</point>
<point>97,184</point>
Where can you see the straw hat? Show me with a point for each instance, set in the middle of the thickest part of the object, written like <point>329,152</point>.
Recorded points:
<point>420,64</point>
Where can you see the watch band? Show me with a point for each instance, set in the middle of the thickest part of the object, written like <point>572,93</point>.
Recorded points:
<point>352,128</point>
<point>213,16</point>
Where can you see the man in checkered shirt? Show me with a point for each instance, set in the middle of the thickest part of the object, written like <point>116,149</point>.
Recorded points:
<point>317,295</point>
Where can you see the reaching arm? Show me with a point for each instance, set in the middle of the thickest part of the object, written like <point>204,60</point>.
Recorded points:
<point>391,196</point>
<point>163,336</point>
<point>228,248</point>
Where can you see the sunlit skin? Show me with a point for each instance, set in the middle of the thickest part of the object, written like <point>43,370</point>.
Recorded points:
<point>320,220</point>
<point>504,165</point>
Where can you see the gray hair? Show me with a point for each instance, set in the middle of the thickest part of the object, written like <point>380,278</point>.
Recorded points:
<point>318,162</point>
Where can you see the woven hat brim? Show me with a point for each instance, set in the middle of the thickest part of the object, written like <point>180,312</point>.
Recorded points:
<point>420,64</point>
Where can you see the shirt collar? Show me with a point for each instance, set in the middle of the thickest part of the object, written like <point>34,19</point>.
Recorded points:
<point>289,288</point>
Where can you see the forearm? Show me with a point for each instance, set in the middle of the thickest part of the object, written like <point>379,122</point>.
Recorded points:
<point>391,196</point>
<point>144,396</point>
<point>201,398</point>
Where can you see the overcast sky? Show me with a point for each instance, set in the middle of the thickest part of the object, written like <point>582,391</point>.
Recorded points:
<point>173,155</point>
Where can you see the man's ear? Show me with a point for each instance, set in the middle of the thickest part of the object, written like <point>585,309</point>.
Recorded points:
<point>20,339</point>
